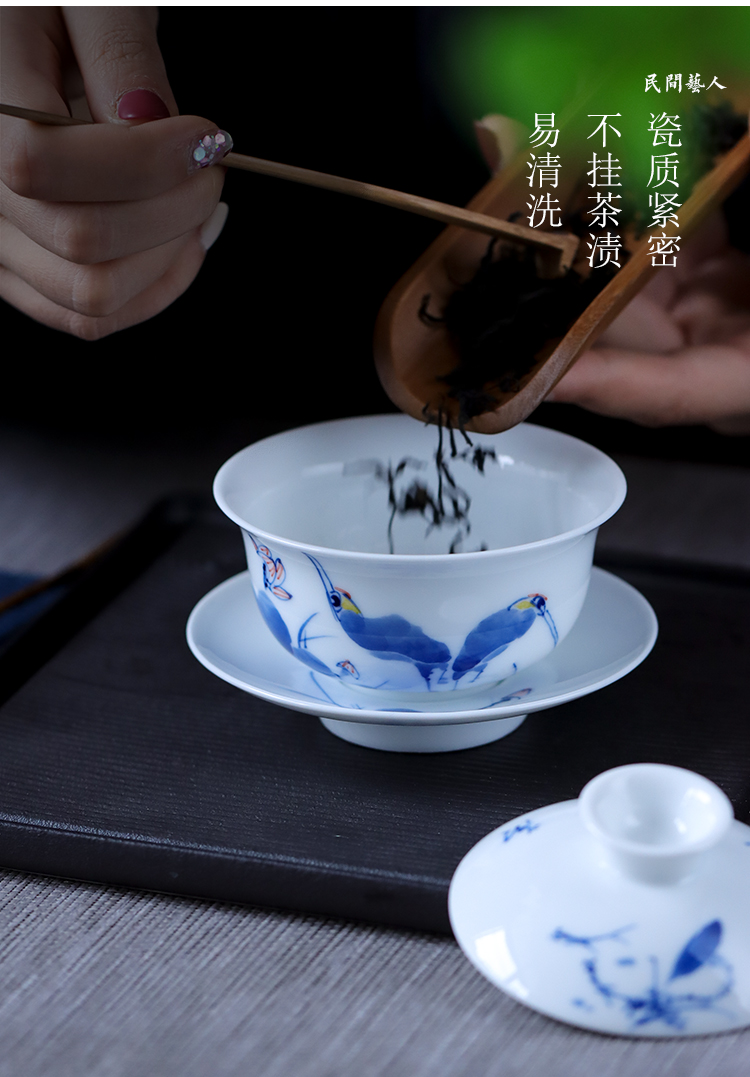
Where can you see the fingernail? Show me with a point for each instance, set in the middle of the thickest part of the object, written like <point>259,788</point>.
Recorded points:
<point>210,149</point>
<point>141,105</point>
<point>211,229</point>
<point>488,145</point>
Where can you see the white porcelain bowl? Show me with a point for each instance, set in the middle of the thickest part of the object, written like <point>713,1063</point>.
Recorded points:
<point>313,506</point>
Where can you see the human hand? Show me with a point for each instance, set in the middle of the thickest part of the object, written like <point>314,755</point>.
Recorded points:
<point>101,226</point>
<point>680,351</point>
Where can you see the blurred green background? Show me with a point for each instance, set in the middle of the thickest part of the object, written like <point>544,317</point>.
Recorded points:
<point>578,60</point>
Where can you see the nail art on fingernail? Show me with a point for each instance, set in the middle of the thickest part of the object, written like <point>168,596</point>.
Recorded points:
<point>210,149</point>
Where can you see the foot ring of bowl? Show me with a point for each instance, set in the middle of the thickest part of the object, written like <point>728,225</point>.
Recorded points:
<point>416,738</point>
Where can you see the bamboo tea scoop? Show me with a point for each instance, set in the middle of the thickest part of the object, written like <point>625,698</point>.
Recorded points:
<point>412,357</point>
<point>557,251</point>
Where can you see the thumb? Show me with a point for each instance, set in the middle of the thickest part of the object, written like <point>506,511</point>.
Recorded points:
<point>499,139</point>
<point>120,62</point>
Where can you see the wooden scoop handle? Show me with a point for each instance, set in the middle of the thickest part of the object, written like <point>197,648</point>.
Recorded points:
<point>560,248</point>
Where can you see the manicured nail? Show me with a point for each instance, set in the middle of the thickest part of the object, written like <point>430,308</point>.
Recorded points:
<point>141,105</point>
<point>211,229</point>
<point>489,145</point>
<point>210,149</point>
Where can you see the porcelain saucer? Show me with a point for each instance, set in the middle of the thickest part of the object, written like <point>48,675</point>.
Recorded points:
<point>546,911</point>
<point>613,634</point>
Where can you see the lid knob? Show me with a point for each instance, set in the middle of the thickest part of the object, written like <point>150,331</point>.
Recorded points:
<point>653,820</point>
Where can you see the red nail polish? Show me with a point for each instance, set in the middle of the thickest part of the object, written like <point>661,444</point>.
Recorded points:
<point>141,105</point>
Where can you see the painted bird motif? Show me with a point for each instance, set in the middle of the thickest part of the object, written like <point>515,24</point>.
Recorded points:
<point>495,634</point>
<point>391,637</point>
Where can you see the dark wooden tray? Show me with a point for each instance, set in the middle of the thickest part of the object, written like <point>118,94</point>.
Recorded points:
<point>125,762</point>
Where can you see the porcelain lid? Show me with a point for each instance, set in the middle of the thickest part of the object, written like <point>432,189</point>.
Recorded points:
<point>625,911</point>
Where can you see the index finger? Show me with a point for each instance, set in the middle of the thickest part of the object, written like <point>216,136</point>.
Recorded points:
<point>117,52</point>
<point>106,162</point>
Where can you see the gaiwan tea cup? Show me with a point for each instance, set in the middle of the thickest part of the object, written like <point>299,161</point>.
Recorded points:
<point>350,556</point>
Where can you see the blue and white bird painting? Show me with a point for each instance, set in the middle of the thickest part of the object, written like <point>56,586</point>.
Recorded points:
<point>391,637</point>
<point>495,634</point>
